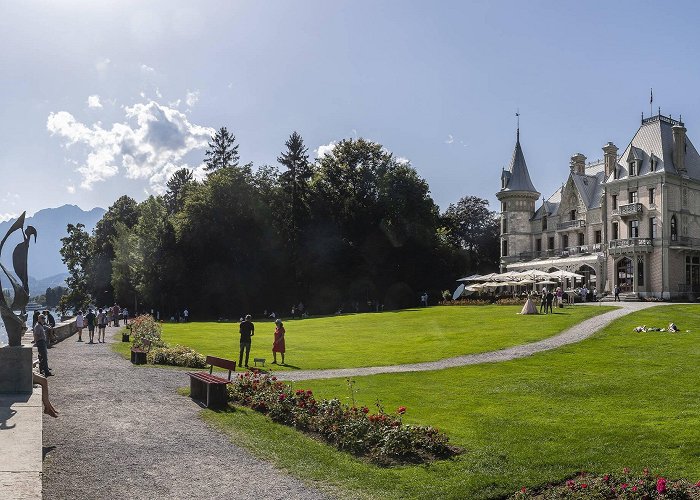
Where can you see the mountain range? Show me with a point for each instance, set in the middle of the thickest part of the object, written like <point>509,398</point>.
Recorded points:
<point>46,269</point>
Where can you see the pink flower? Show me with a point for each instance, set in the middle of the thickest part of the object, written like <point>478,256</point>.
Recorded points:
<point>623,486</point>
<point>523,490</point>
<point>606,478</point>
<point>571,484</point>
<point>401,410</point>
<point>697,485</point>
<point>661,485</point>
<point>634,488</point>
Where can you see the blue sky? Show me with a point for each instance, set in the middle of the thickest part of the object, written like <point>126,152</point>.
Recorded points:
<point>105,98</point>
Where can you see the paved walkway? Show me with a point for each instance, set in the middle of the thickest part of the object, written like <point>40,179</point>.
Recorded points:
<point>575,334</point>
<point>124,432</point>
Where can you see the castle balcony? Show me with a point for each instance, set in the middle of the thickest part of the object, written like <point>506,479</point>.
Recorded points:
<point>628,210</point>
<point>685,243</point>
<point>631,245</point>
<point>571,224</point>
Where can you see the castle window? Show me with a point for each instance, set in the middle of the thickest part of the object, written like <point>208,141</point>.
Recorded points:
<point>633,197</point>
<point>652,198</point>
<point>653,162</point>
<point>692,270</point>
<point>598,236</point>
<point>550,243</point>
<point>640,273</point>
<point>564,240</point>
<point>614,202</point>
<point>504,206</point>
<point>615,231</point>
<point>674,229</point>
<point>544,223</point>
<point>504,248</point>
<point>581,239</point>
<point>634,229</point>
<point>573,214</point>
<point>652,227</point>
<point>505,225</point>
<point>538,244</point>
<point>633,168</point>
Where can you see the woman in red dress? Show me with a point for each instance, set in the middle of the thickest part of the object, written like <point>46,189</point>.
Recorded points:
<point>278,345</point>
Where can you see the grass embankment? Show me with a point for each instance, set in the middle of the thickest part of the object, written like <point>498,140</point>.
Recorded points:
<point>617,399</point>
<point>388,338</point>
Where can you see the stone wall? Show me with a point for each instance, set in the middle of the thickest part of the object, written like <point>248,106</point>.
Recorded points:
<point>65,329</point>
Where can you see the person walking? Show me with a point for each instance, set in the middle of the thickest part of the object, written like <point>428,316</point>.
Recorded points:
<point>80,324</point>
<point>101,325</point>
<point>617,293</point>
<point>125,316</point>
<point>543,300</point>
<point>247,330</point>
<point>40,343</point>
<point>549,299</point>
<point>186,315</point>
<point>91,320</point>
<point>278,344</point>
<point>115,314</point>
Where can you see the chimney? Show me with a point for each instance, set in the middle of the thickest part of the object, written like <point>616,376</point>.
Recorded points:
<point>679,147</point>
<point>578,163</point>
<point>610,155</point>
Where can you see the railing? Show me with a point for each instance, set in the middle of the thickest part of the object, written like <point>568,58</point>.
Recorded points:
<point>631,243</point>
<point>571,224</point>
<point>688,288</point>
<point>628,209</point>
<point>686,241</point>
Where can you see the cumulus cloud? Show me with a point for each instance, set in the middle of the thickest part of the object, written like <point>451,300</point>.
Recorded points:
<point>324,149</point>
<point>191,98</point>
<point>93,101</point>
<point>70,189</point>
<point>150,143</point>
<point>450,139</point>
<point>7,216</point>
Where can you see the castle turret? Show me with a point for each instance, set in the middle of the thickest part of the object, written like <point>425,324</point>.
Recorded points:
<point>610,155</point>
<point>679,147</point>
<point>517,196</point>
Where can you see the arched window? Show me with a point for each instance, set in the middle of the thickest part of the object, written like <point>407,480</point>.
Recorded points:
<point>544,223</point>
<point>674,229</point>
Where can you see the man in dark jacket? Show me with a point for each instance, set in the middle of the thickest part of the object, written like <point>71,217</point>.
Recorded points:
<point>247,330</point>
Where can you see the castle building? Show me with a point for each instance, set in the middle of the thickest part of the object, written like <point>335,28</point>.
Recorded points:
<point>630,219</point>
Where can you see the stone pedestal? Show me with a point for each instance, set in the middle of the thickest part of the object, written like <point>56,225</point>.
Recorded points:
<point>16,370</point>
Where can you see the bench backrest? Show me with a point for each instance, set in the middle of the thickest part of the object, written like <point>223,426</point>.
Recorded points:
<point>221,363</point>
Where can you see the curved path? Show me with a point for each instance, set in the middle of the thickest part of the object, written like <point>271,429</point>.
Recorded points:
<point>574,334</point>
<point>124,432</point>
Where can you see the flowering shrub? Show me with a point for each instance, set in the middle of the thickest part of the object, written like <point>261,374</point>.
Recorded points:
<point>380,437</point>
<point>624,486</point>
<point>145,327</point>
<point>177,356</point>
<point>467,302</point>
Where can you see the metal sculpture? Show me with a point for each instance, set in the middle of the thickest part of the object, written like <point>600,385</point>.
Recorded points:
<point>16,324</point>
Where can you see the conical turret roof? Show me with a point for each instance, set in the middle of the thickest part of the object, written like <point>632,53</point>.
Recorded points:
<point>519,178</point>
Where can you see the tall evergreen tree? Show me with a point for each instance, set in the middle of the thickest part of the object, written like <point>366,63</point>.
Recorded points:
<point>222,152</point>
<point>177,185</point>
<point>76,251</point>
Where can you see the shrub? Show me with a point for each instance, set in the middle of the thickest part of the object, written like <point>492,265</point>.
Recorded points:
<point>144,327</point>
<point>380,437</point>
<point>609,486</point>
<point>177,356</point>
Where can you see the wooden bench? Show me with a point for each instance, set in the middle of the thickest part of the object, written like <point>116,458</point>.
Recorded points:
<point>208,388</point>
<point>139,356</point>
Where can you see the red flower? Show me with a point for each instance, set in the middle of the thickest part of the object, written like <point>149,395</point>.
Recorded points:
<point>523,490</point>
<point>661,485</point>
<point>401,410</point>
<point>606,478</point>
<point>365,410</point>
<point>697,485</point>
<point>634,488</point>
<point>584,485</point>
<point>623,486</point>
<point>282,397</point>
<point>309,392</point>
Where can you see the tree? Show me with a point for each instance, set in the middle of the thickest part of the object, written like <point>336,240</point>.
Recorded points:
<point>76,251</point>
<point>177,187</point>
<point>474,228</point>
<point>222,152</point>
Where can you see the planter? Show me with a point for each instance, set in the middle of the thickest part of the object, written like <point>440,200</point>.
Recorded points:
<point>125,337</point>
<point>138,357</point>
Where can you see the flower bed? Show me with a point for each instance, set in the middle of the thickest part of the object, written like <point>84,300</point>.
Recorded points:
<point>609,486</point>
<point>380,437</point>
<point>177,355</point>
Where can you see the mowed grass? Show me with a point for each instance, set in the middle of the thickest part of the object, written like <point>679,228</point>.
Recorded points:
<point>617,399</point>
<point>388,338</point>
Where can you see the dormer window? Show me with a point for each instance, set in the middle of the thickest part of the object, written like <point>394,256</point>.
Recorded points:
<point>544,223</point>
<point>633,167</point>
<point>573,214</point>
<point>653,163</point>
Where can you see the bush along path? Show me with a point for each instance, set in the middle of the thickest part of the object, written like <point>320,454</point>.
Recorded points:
<point>124,432</point>
<point>574,334</point>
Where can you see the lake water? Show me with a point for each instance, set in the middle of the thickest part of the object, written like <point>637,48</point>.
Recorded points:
<point>3,332</point>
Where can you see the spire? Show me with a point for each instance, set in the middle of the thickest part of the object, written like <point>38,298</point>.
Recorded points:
<point>519,178</point>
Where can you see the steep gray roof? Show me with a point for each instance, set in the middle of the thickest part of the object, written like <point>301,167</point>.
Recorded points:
<point>655,137</point>
<point>518,177</point>
<point>590,184</point>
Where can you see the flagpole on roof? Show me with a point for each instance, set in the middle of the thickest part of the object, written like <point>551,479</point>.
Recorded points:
<point>651,101</point>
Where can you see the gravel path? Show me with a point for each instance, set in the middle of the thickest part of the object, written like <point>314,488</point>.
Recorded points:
<point>124,432</point>
<point>575,334</point>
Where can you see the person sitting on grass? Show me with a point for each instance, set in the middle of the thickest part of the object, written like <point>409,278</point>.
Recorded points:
<point>278,345</point>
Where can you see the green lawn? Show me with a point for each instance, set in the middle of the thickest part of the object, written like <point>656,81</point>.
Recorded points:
<point>388,338</point>
<point>617,399</point>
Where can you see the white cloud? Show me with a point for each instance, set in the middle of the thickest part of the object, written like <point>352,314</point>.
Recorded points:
<point>152,141</point>
<point>450,139</point>
<point>403,160</point>
<point>70,189</point>
<point>93,101</point>
<point>191,98</point>
<point>147,70</point>
<point>7,216</point>
<point>324,149</point>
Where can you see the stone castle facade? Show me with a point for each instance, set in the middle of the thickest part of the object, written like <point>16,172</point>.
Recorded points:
<point>630,219</point>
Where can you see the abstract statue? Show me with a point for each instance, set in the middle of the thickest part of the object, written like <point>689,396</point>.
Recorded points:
<point>16,324</point>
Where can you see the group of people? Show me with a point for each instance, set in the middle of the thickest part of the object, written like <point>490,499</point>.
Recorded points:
<point>247,330</point>
<point>99,320</point>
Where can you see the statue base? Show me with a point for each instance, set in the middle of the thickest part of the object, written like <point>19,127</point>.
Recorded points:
<point>16,370</point>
